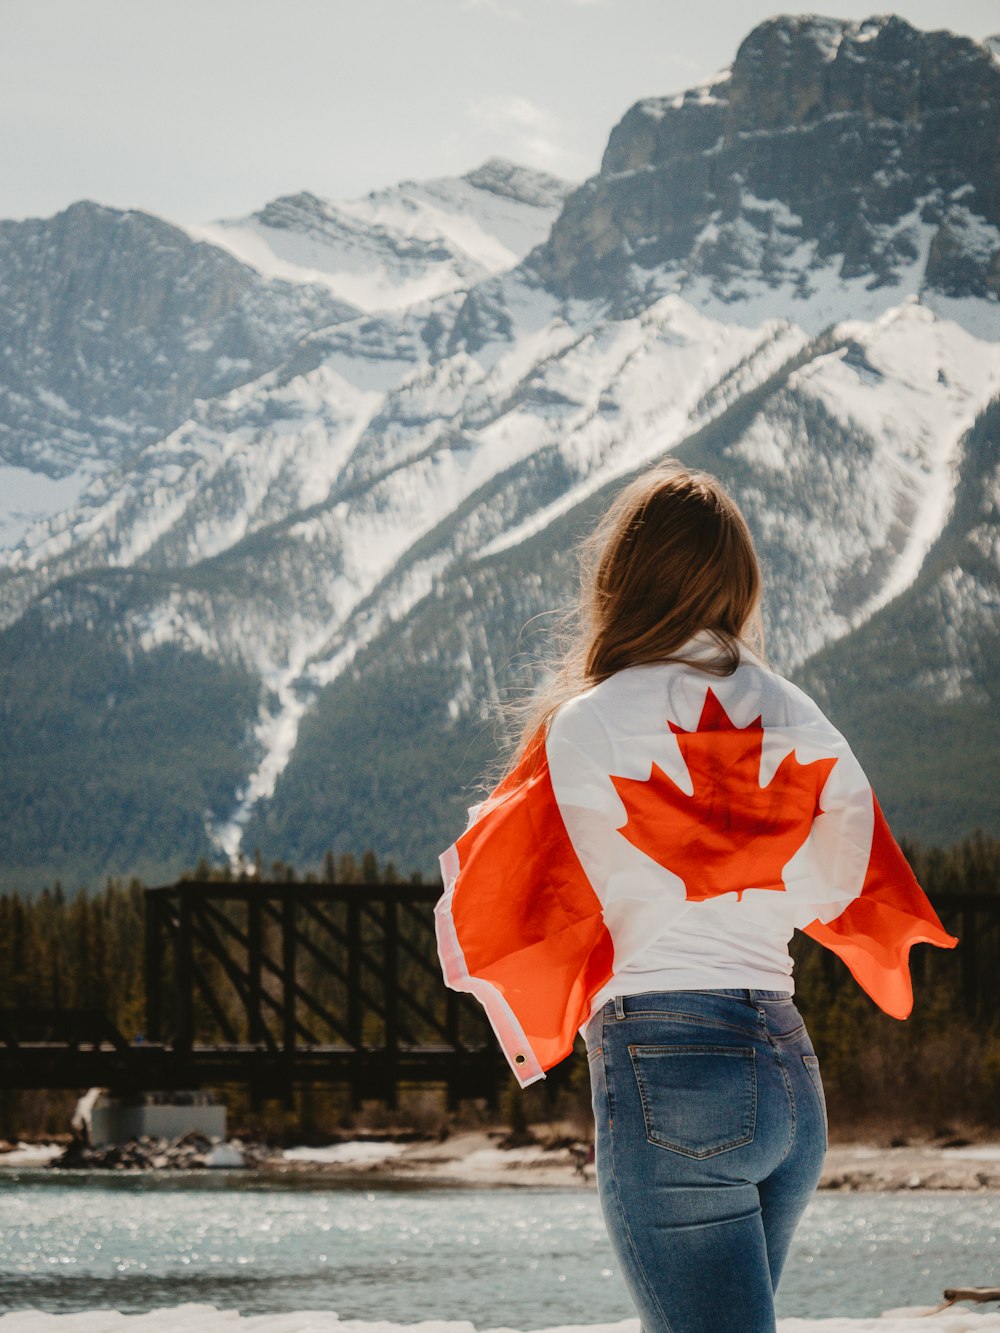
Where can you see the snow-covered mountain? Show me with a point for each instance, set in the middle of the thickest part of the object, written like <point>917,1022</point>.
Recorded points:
<point>413,242</point>
<point>832,164</point>
<point>291,613</point>
<point>114,324</point>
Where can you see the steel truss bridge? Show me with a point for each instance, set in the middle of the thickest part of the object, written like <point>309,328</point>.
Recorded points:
<point>273,986</point>
<point>279,985</point>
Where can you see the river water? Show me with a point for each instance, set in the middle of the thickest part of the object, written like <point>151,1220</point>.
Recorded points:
<point>521,1258</point>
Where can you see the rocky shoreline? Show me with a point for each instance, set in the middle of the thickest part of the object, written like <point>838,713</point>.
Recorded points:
<point>486,1158</point>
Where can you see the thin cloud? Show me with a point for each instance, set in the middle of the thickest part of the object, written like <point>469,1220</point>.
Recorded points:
<point>518,128</point>
<point>498,113</point>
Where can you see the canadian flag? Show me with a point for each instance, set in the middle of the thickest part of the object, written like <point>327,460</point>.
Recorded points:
<point>660,792</point>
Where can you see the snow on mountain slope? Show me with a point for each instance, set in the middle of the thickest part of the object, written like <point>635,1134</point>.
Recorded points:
<point>266,452</point>
<point>27,497</point>
<point>254,457</point>
<point>916,683</point>
<point>407,529</point>
<point>154,317</point>
<point>358,499</point>
<point>413,242</point>
<point>114,322</point>
<point>414,684</point>
<point>295,483</point>
<point>849,476</point>
<point>760,265</point>
<point>914,385</point>
<point>843,452</point>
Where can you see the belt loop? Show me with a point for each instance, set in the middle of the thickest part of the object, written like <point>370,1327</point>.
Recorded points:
<point>619,1006</point>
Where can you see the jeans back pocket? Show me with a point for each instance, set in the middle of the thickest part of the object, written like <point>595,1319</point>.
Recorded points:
<point>697,1100</point>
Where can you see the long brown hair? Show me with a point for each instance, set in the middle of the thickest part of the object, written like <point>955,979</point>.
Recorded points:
<point>671,558</point>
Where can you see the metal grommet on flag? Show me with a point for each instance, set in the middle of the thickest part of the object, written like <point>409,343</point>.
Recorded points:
<point>520,1058</point>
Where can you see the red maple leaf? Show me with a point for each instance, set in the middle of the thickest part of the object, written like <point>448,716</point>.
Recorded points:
<point>731,834</point>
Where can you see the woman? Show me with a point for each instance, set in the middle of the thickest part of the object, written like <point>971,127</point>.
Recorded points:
<point>676,810</point>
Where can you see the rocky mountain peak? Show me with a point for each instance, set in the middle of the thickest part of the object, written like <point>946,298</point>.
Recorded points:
<point>791,70</point>
<point>393,247</point>
<point>868,148</point>
<point>113,322</point>
<point>288,210</point>
<point>526,185</point>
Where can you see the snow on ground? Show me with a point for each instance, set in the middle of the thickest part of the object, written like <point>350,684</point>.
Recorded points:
<point>346,1153</point>
<point>31,1154</point>
<point>209,1319</point>
<point>491,1158</point>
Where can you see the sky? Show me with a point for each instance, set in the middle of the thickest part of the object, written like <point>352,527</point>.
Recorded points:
<point>203,109</point>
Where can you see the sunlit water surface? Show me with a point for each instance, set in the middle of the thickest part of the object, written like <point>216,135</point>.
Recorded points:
<point>520,1258</point>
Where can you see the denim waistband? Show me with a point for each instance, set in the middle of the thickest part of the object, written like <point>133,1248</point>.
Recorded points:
<point>742,994</point>
<point>644,999</point>
<point>737,1002</point>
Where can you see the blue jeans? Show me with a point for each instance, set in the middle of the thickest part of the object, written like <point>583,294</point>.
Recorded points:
<point>710,1138</point>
